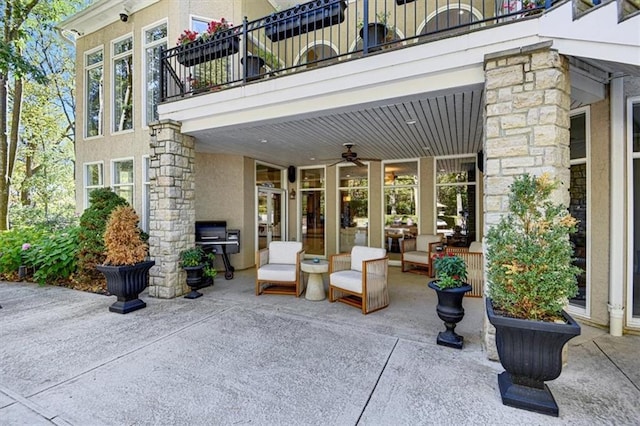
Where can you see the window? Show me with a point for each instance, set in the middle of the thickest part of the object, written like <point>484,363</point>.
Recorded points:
<point>312,210</point>
<point>578,203</point>
<point>93,175</point>
<point>634,141</point>
<point>123,84</point>
<point>354,206</point>
<point>94,96</point>
<point>122,179</point>
<point>146,195</point>
<point>400,203</point>
<point>155,39</point>
<point>456,199</point>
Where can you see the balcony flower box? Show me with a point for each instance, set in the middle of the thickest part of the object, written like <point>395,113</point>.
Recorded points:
<point>204,50</point>
<point>303,18</point>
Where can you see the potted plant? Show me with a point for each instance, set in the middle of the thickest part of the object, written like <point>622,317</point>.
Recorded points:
<point>531,276</point>
<point>219,40</point>
<point>125,268</point>
<point>378,32</point>
<point>450,286</point>
<point>199,268</point>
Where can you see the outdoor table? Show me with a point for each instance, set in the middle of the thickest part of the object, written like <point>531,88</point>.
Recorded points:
<point>315,285</point>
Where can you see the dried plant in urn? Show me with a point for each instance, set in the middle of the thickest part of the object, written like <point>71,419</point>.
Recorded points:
<point>125,267</point>
<point>122,239</point>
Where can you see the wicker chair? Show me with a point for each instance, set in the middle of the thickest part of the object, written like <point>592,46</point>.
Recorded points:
<point>278,269</point>
<point>474,260</point>
<point>417,253</point>
<point>359,278</point>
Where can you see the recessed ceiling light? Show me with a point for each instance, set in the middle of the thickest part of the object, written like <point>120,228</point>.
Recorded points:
<point>410,122</point>
<point>263,141</point>
<point>312,158</point>
<point>426,148</point>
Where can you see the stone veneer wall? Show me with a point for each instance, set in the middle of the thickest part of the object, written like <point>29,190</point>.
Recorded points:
<point>173,213</point>
<point>526,129</point>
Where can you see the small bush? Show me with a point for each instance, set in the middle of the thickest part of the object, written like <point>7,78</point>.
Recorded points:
<point>11,253</point>
<point>122,238</point>
<point>91,236</point>
<point>55,257</point>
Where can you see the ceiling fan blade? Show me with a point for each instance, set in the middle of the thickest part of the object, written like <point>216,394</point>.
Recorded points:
<point>369,159</point>
<point>358,163</point>
<point>337,162</point>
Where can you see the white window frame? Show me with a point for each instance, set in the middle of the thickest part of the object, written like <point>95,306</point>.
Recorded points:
<point>85,180</point>
<point>300,190</point>
<point>631,320</point>
<point>437,185</point>
<point>573,309</point>
<point>145,213</point>
<point>115,58</point>
<point>338,201</point>
<point>146,46</point>
<point>115,185</point>
<point>88,68</point>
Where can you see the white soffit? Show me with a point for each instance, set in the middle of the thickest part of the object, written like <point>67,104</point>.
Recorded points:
<point>100,14</point>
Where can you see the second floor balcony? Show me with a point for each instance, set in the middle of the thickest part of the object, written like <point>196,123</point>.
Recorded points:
<point>320,33</point>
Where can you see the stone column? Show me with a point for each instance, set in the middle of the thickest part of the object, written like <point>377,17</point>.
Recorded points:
<point>526,129</point>
<point>172,206</point>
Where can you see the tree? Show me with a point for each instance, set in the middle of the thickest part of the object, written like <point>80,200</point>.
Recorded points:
<point>42,187</point>
<point>18,21</point>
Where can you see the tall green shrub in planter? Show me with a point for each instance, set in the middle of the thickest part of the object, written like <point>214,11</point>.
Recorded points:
<point>91,236</point>
<point>530,277</point>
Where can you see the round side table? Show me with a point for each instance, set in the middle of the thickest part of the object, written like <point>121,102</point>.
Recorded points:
<point>315,286</point>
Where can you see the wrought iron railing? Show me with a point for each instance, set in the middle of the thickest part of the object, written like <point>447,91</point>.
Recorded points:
<point>322,32</point>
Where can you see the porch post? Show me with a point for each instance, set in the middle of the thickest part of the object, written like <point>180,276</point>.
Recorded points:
<point>172,206</point>
<point>526,129</point>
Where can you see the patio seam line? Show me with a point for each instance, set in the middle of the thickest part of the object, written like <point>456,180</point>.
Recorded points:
<point>129,352</point>
<point>384,367</point>
<point>616,365</point>
<point>26,402</point>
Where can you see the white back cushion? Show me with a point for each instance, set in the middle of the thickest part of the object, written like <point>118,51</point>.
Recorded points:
<point>475,247</point>
<point>284,251</point>
<point>360,253</point>
<point>423,241</point>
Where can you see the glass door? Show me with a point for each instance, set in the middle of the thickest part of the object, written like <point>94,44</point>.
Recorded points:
<point>271,216</point>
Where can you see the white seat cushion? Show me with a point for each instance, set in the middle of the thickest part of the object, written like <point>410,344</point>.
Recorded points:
<point>475,247</point>
<point>277,272</point>
<point>423,241</point>
<point>284,252</point>
<point>347,280</point>
<point>359,254</point>
<point>416,257</point>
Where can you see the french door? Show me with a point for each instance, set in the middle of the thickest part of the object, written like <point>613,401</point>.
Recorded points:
<point>271,216</point>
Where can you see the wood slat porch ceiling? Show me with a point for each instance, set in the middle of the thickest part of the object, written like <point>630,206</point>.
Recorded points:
<point>446,124</point>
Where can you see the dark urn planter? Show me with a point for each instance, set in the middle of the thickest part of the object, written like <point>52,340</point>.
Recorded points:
<point>377,34</point>
<point>252,66</point>
<point>195,280</point>
<point>126,283</point>
<point>220,45</point>
<point>531,353</point>
<point>450,311</point>
<point>303,18</point>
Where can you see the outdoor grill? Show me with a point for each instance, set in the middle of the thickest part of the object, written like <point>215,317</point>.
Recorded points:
<point>214,237</point>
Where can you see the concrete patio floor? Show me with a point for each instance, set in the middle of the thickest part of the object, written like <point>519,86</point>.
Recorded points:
<point>230,357</point>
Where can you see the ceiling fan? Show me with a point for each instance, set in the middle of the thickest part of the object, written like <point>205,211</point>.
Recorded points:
<point>352,157</point>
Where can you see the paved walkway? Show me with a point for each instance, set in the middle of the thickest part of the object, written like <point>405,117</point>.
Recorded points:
<point>230,357</point>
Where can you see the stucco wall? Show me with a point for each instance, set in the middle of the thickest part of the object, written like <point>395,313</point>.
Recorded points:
<point>599,211</point>
<point>223,192</point>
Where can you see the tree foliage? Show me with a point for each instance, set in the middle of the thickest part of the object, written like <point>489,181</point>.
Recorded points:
<point>22,24</point>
